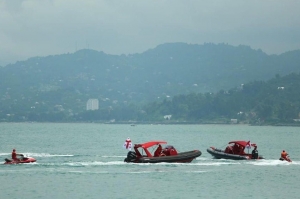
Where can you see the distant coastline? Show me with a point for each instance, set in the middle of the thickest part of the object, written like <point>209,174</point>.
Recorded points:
<point>163,123</point>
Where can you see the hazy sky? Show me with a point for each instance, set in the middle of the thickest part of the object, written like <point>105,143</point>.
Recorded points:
<point>30,28</point>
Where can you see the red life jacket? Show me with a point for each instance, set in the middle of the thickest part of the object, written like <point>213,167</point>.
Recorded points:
<point>284,154</point>
<point>14,155</point>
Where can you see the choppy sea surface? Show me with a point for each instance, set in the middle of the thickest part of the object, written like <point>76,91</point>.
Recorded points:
<point>86,161</point>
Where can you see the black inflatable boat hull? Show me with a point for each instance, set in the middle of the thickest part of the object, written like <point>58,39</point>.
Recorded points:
<point>180,157</point>
<point>220,154</point>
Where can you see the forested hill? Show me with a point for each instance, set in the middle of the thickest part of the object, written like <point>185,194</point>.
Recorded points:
<point>41,84</point>
<point>276,101</point>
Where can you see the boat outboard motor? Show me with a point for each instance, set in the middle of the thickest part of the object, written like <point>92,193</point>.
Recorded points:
<point>131,157</point>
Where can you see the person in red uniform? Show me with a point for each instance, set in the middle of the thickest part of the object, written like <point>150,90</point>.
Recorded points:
<point>158,151</point>
<point>14,155</point>
<point>285,155</point>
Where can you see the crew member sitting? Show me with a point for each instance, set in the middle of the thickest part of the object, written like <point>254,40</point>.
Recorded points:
<point>229,150</point>
<point>284,155</point>
<point>236,149</point>
<point>166,150</point>
<point>241,150</point>
<point>14,155</point>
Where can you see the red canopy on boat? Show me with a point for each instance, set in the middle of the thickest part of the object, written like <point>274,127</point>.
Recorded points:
<point>241,142</point>
<point>149,144</point>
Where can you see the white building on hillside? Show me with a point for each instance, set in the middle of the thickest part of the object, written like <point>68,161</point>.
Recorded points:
<point>92,104</point>
<point>167,117</point>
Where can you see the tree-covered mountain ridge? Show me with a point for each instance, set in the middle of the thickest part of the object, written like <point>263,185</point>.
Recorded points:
<point>275,102</point>
<point>272,102</point>
<point>62,84</point>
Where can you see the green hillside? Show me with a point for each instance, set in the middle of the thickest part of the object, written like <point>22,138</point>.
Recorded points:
<point>275,102</point>
<point>56,88</point>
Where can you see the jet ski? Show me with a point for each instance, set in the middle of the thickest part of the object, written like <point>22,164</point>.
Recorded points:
<point>287,158</point>
<point>22,160</point>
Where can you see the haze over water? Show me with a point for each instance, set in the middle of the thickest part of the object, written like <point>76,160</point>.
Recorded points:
<point>86,161</point>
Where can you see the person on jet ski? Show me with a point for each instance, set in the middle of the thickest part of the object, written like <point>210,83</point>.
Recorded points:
<point>14,155</point>
<point>285,155</point>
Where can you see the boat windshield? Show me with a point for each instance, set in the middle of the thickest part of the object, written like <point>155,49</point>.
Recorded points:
<point>169,147</point>
<point>141,150</point>
<point>150,149</point>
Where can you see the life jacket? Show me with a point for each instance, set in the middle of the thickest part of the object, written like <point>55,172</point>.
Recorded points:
<point>158,151</point>
<point>284,154</point>
<point>14,155</point>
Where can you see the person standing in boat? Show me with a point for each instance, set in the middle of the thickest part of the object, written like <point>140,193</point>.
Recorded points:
<point>255,153</point>
<point>14,155</point>
<point>158,151</point>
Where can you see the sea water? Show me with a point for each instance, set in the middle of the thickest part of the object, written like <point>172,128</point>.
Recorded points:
<point>87,161</point>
